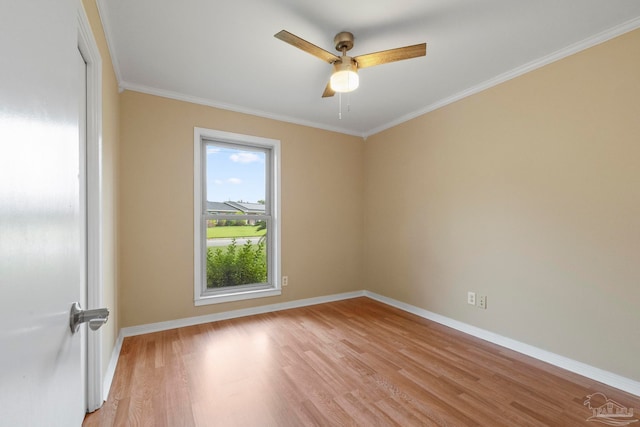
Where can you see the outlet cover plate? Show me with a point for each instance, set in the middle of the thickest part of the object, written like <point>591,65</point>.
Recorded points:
<point>471,298</point>
<point>482,301</point>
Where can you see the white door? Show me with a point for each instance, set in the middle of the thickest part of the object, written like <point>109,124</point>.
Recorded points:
<point>40,250</point>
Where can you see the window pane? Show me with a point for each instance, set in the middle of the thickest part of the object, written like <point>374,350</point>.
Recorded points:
<point>235,175</point>
<point>236,252</point>
<point>236,186</point>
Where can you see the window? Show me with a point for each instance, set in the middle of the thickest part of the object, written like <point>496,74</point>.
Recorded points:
<point>236,217</point>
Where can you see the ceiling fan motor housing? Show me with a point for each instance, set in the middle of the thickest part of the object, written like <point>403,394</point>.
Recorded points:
<point>345,63</point>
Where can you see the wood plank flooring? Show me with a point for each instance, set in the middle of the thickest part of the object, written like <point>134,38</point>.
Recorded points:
<point>348,363</point>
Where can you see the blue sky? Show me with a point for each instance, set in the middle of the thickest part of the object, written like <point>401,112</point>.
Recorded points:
<point>235,175</point>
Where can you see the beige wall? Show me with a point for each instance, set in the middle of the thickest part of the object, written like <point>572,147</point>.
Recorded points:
<point>322,190</point>
<point>110,133</point>
<point>529,193</point>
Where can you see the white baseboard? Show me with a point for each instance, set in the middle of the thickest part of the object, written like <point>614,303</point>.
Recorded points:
<point>190,321</point>
<point>597,374</point>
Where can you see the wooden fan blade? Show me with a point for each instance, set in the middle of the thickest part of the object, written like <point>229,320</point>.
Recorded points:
<point>328,91</point>
<point>311,48</point>
<point>391,55</point>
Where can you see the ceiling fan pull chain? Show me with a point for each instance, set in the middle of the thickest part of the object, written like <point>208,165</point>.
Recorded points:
<point>339,105</point>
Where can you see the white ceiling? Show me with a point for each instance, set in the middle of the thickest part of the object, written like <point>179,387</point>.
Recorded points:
<point>223,53</point>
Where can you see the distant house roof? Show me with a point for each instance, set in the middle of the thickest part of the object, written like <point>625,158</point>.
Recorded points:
<point>235,207</point>
<point>218,207</point>
<point>247,208</point>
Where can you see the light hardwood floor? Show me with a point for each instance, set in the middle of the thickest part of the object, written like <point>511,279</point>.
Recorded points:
<point>353,362</point>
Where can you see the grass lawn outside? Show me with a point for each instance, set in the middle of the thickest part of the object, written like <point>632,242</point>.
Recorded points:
<point>233,231</point>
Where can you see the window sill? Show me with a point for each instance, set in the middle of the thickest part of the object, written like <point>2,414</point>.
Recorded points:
<point>234,295</point>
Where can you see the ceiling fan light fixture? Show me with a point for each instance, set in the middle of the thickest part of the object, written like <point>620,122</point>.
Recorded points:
<point>345,76</point>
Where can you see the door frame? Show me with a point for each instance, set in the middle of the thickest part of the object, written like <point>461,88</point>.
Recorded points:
<point>91,55</point>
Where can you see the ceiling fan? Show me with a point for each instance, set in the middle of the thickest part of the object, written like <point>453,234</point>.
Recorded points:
<point>345,68</point>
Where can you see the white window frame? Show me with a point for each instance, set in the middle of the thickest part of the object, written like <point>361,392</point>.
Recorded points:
<point>202,296</point>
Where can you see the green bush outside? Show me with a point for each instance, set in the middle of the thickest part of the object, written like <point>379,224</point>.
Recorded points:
<point>235,265</point>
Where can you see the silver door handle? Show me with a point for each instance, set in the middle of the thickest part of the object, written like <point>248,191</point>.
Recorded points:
<point>96,317</point>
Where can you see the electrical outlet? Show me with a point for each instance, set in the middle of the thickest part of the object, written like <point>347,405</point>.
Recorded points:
<point>471,298</point>
<point>482,301</point>
<point>285,280</point>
